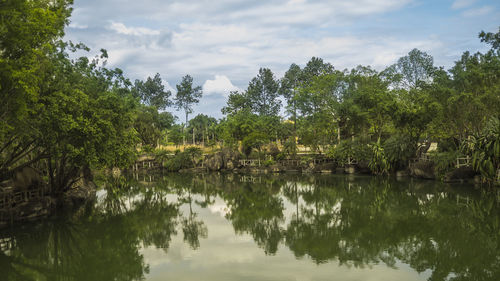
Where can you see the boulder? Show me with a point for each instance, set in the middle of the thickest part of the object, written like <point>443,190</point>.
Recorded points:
<point>402,173</point>
<point>224,159</point>
<point>78,194</point>
<point>423,169</point>
<point>214,162</point>
<point>459,174</point>
<point>26,178</point>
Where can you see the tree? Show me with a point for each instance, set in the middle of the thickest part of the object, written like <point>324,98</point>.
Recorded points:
<point>28,32</point>
<point>187,95</point>
<point>411,70</point>
<point>263,92</point>
<point>200,126</point>
<point>237,102</point>
<point>289,85</point>
<point>152,92</point>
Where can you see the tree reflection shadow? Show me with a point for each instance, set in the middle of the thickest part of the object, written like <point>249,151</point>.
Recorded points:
<point>354,221</point>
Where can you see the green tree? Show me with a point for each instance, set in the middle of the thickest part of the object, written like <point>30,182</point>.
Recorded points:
<point>289,85</point>
<point>411,70</point>
<point>187,96</point>
<point>263,92</point>
<point>236,103</point>
<point>152,92</point>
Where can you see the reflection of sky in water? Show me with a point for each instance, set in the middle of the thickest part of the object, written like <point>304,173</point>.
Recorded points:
<point>224,255</point>
<point>228,227</point>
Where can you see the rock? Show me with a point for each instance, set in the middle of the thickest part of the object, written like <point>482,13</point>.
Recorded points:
<point>350,169</point>
<point>402,174</point>
<point>224,159</point>
<point>214,162</point>
<point>79,194</point>
<point>339,170</point>
<point>462,173</point>
<point>26,178</point>
<point>423,169</point>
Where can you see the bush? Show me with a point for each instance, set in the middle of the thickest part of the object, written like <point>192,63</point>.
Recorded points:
<point>254,140</point>
<point>379,164</point>
<point>273,150</point>
<point>399,149</point>
<point>268,163</point>
<point>183,160</point>
<point>290,147</point>
<point>444,161</point>
<point>350,149</point>
<point>180,161</point>
<point>486,151</point>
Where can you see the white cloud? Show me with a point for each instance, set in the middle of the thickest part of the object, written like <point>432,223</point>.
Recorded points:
<point>136,31</point>
<point>460,4</point>
<point>78,26</point>
<point>478,11</point>
<point>169,87</point>
<point>220,85</point>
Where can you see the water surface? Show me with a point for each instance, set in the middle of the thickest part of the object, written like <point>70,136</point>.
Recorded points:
<point>272,227</point>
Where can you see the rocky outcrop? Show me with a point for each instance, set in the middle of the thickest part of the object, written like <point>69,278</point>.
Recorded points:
<point>26,178</point>
<point>423,169</point>
<point>80,193</point>
<point>226,159</point>
<point>460,174</point>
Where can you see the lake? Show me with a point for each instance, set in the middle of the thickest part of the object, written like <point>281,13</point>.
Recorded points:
<point>267,227</point>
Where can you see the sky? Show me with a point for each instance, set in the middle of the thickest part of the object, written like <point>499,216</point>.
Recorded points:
<point>223,43</point>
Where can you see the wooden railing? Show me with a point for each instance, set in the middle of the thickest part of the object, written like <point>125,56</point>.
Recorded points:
<point>9,199</point>
<point>250,162</point>
<point>145,164</point>
<point>463,162</point>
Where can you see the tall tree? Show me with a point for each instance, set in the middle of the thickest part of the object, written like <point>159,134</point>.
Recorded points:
<point>152,92</point>
<point>263,92</point>
<point>237,102</point>
<point>28,32</point>
<point>411,70</point>
<point>187,96</point>
<point>289,85</point>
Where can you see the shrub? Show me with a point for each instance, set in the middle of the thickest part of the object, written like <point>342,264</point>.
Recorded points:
<point>268,163</point>
<point>444,161</point>
<point>379,164</point>
<point>399,149</point>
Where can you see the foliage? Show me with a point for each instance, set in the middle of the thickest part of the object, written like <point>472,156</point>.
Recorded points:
<point>444,161</point>
<point>263,92</point>
<point>355,150</point>
<point>181,160</point>
<point>399,149</point>
<point>254,140</point>
<point>379,164</point>
<point>290,147</point>
<point>187,95</point>
<point>268,162</point>
<point>486,151</point>
<point>152,92</point>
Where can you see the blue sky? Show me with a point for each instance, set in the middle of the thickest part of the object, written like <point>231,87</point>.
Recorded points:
<point>223,43</point>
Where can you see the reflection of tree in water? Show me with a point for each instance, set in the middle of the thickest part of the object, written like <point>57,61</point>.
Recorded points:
<point>65,251</point>
<point>257,209</point>
<point>102,244</point>
<point>192,228</point>
<point>354,221</point>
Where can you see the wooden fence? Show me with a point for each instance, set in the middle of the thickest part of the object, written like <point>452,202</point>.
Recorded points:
<point>10,199</point>
<point>463,162</point>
